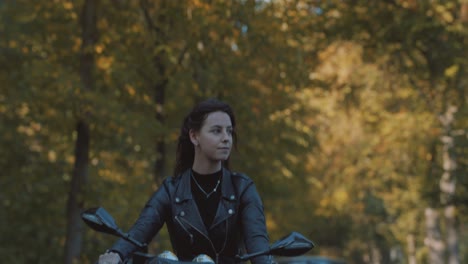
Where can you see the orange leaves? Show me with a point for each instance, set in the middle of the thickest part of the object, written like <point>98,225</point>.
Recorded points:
<point>99,48</point>
<point>76,44</point>
<point>12,44</point>
<point>22,110</point>
<point>68,5</point>
<point>200,4</point>
<point>271,222</point>
<point>409,4</point>
<point>52,156</point>
<point>130,89</point>
<point>340,61</point>
<point>105,62</point>
<point>29,130</point>
<point>338,199</point>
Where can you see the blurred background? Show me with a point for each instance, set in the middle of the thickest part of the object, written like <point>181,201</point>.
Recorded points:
<point>352,118</point>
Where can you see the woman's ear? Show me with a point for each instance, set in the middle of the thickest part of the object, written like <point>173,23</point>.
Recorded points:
<point>193,137</point>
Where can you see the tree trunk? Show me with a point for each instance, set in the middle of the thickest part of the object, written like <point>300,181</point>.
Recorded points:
<point>376,257</point>
<point>452,235</point>
<point>433,239</point>
<point>411,249</point>
<point>155,27</point>
<point>448,185</point>
<point>75,203</point>
<point>160,65</point>
<point>75,198</point>
<point>160,164</point>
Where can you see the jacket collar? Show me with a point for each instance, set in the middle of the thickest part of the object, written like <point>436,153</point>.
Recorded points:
<point>226,208</point>
<point>183,191</point>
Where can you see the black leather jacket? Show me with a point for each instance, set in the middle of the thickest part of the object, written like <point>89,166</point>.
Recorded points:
<point>239,222</point>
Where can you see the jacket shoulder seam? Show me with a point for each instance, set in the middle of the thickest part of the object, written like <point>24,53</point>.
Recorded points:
<point>241,175</point>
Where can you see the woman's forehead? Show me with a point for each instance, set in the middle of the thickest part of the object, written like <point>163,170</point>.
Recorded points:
<point>218,118</point>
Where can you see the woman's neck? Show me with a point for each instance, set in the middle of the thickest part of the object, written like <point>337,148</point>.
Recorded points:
<point>206,168</point>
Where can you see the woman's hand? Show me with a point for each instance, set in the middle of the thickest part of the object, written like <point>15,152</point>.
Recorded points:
<point>109,258</point>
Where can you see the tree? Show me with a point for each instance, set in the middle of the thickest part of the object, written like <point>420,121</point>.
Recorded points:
<point>424,43</point>
<point>80,170</point>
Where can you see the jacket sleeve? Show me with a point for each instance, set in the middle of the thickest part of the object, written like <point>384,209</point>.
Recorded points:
<point>253,224</point>
<point>150,221</point>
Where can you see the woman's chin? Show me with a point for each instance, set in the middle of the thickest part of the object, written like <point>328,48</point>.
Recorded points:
<point>223,157</point>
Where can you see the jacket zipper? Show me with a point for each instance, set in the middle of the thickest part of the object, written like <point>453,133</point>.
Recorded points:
<point>183,227</point>
<point>211,243</point>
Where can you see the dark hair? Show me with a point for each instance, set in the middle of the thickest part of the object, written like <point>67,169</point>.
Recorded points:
<point>194,121</point>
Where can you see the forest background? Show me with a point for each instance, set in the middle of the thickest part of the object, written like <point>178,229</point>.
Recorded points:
<point>352,118</point>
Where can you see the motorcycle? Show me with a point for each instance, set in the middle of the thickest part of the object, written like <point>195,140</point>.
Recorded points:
<point>100,220</point>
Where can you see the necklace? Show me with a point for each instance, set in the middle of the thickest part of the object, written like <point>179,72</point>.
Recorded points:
<point>203,191</point>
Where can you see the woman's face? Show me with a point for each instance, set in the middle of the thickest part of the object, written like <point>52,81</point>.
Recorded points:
<point>214,140</point>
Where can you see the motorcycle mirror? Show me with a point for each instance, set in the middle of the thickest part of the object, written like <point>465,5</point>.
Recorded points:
<point>100,220</point>
<point>293,244</point>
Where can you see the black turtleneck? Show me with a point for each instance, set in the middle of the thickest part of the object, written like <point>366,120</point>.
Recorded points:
<point>207,206</point>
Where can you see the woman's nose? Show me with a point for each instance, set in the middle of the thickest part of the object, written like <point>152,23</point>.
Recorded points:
<point>226,136</point>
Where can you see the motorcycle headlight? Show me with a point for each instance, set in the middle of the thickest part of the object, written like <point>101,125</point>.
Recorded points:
<point>203,258</point>
<point>168,255</point>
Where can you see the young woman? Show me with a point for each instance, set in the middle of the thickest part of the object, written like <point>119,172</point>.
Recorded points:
<point>207,208</point>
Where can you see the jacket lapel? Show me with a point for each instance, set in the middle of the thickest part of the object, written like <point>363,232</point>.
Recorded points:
<point>227,204</point>
<point>186,208</point>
